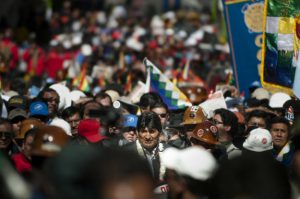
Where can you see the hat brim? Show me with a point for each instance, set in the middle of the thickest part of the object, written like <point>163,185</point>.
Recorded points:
<point>93,138</point>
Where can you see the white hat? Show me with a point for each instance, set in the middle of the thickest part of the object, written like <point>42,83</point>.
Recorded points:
<point>86,49</point>
<point>169,158</point>
<point>258,140</point>
<point>114,95</point>
<point>62,124</point>
<point>194,162</point>
<point>278,99</point>
<point>64,95</point>
<point>260,94</point>
<point>76,95</point>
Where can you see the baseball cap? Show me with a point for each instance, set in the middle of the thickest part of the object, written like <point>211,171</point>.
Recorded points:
<point>62,124</point>
<point>17,101</point>
<point>278,99</point>
<point>130,120</point>
<point>259,140</point>
<point>194,162</point>
<point>114,95</point>
<point>90,129</point>
<point>17,112</point>
<point>38,108</point>
<point>260,94</point>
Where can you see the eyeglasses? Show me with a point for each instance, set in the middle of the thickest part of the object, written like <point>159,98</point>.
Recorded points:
<point>162,115</point>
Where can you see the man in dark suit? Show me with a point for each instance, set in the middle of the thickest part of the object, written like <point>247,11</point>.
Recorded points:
<point>147,144</point>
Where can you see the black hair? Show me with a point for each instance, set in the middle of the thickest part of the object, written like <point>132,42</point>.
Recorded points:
<point>260,114</point>
<point>229,119</point>
<point>159,105</point>
<point>282,120</point>
<point>279,119</point>
<point>30,132</point>
<point>103,95</point>
<point>82,108</point>
<point>70,111</point>
<point>45,90</point>
<point>149,120</point>
<point>149,99</point>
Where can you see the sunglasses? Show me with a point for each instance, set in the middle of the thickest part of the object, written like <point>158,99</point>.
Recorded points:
<point>162,115</point>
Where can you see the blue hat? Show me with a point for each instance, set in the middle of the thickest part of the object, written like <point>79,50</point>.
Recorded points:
<point>130,120</point>
<point>38,108</point>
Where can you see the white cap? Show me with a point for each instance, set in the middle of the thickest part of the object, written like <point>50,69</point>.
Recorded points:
<point>260,94</point>
<point>86,50</point>
<point>278,99</point>
<point>259,140</point>
<point>64,95</point>
<point>134,44</point>
<point>169,158</point>
<point>114,95</point>
<point>62,124</point>
<point>76,95</point>
<point>194,162</point>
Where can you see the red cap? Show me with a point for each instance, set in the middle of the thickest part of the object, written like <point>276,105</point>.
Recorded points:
<point>90,129</point>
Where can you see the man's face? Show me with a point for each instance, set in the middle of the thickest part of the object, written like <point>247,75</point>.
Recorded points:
<point>162,113</point>
<point>279,132</point>
<point>5,135</point>
<point>16,123</point>
<point>104,101</point>
<point>27,145</point>
<point>52,99</point>
<point>258,122</point>
<point>217,120</point>
<point>130,134</point>
<point>148,138</point>
<point>74,122</point>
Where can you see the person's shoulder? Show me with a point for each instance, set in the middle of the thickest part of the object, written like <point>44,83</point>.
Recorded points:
<point>131,146</point>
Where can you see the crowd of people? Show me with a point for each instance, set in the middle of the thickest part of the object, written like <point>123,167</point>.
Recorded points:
<point>73,125</point>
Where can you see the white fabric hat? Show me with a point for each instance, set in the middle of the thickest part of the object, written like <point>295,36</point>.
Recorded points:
<point>64,95</point>
<point>259,140</point>
<point>114,95</point>
<point>260,94</point>
<point>86,49</point>
<point>194,162</point>
<point>76,95</point>
<point>278,99</point>
<point>169,158</point>
<point>62,124</point>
